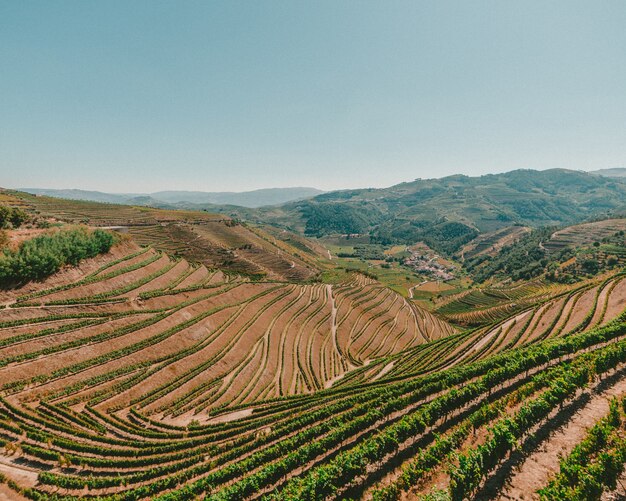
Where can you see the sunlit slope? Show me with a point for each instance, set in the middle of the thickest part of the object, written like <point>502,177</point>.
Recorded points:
<point>212,239</point>
<point>547,312</point>
<point>483,305</point>
<point>173,338</point>
<point>139,375</point>
<point>490,243</point>
<point>585,234</point>
<point>405,432</point>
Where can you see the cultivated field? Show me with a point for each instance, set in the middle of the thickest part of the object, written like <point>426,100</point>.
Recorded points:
<point>490,243</point>
<point>139,376</point>
<point>188,339</point>
<point>584,234</point>
<point>215,240</point>
<point>480,306</point>
<point>145,374</point>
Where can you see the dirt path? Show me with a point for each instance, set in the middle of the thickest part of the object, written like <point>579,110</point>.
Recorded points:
<point>411,289</point>
<point>537,468</point>
<point>22,475</point>
<point>230,416</point>
<point>384,371</point>
<point>333,331</point>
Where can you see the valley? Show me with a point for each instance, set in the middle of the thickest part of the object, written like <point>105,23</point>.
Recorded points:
<point>200,355</point>
<point>312,251</point>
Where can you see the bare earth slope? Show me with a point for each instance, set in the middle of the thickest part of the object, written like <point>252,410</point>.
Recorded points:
<point>124,319</point>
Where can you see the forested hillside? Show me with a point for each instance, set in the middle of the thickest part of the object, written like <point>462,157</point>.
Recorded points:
<point>447,213</point>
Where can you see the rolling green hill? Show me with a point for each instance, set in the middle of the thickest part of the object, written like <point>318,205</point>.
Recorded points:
<point>447,213</point>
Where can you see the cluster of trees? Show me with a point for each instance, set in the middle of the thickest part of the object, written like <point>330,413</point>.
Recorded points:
<point>46,254</point>
<point>367,252</point>
<point>523,260</point>
<point>527,258</point>
<point>327,218</point>
<point>12,216</point>
<point>442,235</point>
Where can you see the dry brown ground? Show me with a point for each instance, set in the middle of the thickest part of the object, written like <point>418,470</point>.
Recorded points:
<point>7,494</point>
<point>110,284</point>
<point>617,302</point>
<point>164,280</point>
<point>198,276</point>
<point>583,305</point>
<point>540,465</point>
<point>57,339</point>
<point>309,338</point>
<point>16,237</point>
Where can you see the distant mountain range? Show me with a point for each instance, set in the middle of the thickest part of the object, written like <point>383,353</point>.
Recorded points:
<point>250,199</point>
<point>615,172</point>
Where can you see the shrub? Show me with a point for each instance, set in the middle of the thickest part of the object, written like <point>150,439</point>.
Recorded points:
<point>12,217</point>
<point>46,254</point>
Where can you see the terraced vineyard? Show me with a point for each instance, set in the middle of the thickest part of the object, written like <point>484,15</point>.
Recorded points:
<point>212,239</point>
<point>189,339</point>
<point>491,243</point>
<point>557,312</point>
<point>213,363</point>
<point>586,233</point>
<point>480,306</point>
<point>141,376</point>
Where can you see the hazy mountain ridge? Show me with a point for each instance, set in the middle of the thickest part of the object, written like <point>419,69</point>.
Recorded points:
<point>614,172</point>
<point>250,199</point>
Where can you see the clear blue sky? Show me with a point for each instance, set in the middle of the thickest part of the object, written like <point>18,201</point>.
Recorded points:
<point>147,95</point>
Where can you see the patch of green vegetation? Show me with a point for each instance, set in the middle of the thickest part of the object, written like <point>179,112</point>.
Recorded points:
<point>422,295</point>
<point>392,274</point>
<point>365,252</point>
<point>446,213</point>
<point>523,260</point>
<point>44,255</point>
<point>528,258</point>
<point>444,236</point>
<point>324,218</point>
<point>12,217</point>
<point>334,276</point>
